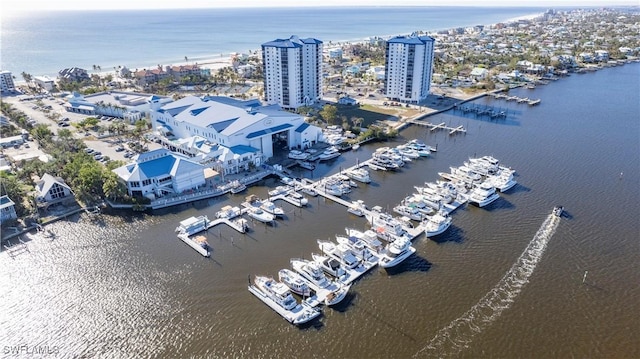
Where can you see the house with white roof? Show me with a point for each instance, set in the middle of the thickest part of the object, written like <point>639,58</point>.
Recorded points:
<point>159,172</point>
<point>231,123</point>
<point>53,190</point>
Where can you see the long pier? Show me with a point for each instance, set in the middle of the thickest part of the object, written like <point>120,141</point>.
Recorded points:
<point>517,99</point>
<point>439,126</point>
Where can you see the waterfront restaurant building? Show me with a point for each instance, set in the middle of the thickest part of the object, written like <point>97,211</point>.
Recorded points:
<point>292,72</point>
<point>409,66</point>
<point>159,172</point>
<point>234,124</point>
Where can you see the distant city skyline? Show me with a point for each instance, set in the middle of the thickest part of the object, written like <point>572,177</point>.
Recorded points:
<point>59,5</point>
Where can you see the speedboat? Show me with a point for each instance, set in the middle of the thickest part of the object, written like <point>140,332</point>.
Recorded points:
<point>341,252</point>
<point>279,298</point>
<point>558,211</point>
<point>331,266</point>
<point>271,208</point>
<point>328,154</point>
<point>298,155</point>
<point>258,214</point>
<point>436,224</point>
<point>483,194</point>
<point>237,187</point>
<point>396,252</point>
<point>295,282</point>
<point>359,174</point>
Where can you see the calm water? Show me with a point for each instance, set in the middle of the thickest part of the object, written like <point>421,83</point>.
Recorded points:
<point>503,282</point>
<point>45,43</point>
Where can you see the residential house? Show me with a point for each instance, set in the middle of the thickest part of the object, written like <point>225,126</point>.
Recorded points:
<point>7,209</point>
<point>53,190</point>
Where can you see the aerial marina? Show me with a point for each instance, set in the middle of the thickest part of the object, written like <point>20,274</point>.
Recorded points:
<point>327,278</point>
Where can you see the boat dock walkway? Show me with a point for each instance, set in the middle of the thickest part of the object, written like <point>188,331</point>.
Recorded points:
<point>440,126</point>
<point>517,99</point>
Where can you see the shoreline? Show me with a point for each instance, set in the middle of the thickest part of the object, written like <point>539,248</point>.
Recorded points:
<point>220,60</point>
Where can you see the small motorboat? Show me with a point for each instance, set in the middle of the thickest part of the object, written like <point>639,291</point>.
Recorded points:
<point>558,211</point>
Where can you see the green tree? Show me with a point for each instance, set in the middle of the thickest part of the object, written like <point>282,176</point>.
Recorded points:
<point>111,187</point>
<point>329,113</point>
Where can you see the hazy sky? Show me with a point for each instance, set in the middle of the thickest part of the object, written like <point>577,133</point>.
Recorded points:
<point>12,6</point>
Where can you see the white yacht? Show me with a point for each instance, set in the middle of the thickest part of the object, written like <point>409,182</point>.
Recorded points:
<point>311,271</point>
<point>193,225</point>
<point>340,252</point>
<point>357,208</point>
<point>396,252</point>
<point>228,212</point>
<point>328,154</point>
<point>408,152</point>
<point>331,266</point>
<point>368,237</point>
<point>271,208</point>
<point>298,155</point>
<point>279,190</point>
<point>327,291</point>
<point>384,224</point>
<point>359,174</point>
<point>483,194</point>
<point>295,282</point>
<point>502,182</point>
<point>436,224</point>
<point>358,247</point>
<point>408,211</point>
<point>307,165</point>
<point>278,297</point>
<point>300,199</point>
<point>258,214</point>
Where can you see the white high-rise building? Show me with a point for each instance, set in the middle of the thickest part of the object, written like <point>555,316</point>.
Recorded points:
<point>292,72</point>
<point>6,82</point>
<point>408,68</point>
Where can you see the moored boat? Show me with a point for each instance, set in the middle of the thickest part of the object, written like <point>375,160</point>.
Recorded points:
<point>483,194</point>
<point>436,224</point>
<point>359,174</point>
<point>395,253</point>
<point>278,297</point>
<point>295,282</point>
<point>193,225</point>
<point>298,155</point>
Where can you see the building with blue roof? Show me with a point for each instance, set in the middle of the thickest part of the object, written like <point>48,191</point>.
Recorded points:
<point>408,68</point>
<point>292,71</point>
<point>159,172</point>
<point>210,127</point>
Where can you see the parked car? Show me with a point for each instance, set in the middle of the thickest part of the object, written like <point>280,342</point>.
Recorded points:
<point>89,150</point>
<point>119,149</point>
<point>97,157</point>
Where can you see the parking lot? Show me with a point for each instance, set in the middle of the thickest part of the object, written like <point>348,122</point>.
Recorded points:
<point>113,148</point>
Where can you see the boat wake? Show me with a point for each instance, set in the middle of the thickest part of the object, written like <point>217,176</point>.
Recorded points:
<point>456,336</point>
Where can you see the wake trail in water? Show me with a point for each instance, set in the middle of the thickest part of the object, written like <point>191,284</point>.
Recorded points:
<point>456,336</point>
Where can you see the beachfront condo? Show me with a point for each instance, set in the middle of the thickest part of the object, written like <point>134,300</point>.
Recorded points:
<point>292,72</point>
<point>409,65</point>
